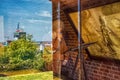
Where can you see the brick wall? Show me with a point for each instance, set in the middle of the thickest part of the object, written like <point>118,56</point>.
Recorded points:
<point>102,70</point>
<point>71,41</point>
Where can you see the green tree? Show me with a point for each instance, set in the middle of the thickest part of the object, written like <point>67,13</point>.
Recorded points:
<point>18,54</point>
<point>21,54</point>
<point>21,50</point>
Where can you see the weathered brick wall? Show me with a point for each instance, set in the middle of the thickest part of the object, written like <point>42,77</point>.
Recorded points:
<point>102,70</point>
<point>71,39</point>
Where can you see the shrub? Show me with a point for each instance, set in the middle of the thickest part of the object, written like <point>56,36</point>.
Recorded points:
<point>18,54</point>
<point>39,63</point>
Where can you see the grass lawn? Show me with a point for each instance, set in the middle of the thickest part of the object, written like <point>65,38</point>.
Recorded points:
<point>20,72</point>
<point>56,78</point>
<point>34,76</point>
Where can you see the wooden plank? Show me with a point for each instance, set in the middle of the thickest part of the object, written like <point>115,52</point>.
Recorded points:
<point>87,4</point>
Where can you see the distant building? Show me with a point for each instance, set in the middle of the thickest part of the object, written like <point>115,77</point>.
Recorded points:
<point>22,35</point>
<point>8,42</point>
<point>1,45</point>
<point>19,33</point>
<point>45,43</point>
<point>42,46</point>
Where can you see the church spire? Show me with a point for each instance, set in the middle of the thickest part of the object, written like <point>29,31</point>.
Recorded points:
<point>18,26</point>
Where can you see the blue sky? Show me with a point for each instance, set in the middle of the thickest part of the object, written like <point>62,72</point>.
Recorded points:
<point>35,17</point>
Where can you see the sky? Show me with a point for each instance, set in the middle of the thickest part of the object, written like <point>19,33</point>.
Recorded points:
<point>34,16</point>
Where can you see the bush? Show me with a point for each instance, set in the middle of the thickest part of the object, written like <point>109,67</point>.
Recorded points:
<point>21,49</point>
<point>39,63</point>
<point>47,56</point>
<point>26,64</point>
<point>21,54</point>
<point>4,59</point>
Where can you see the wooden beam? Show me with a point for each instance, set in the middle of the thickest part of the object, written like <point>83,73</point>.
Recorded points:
<point>55,1</point>
<point>87,4</point>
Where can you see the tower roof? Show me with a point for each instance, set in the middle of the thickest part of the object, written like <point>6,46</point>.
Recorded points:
<point>18,27</point>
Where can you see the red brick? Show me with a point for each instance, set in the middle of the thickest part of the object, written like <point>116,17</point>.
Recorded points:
<point>114,68</point>
<point>117,77</point>
<point>105,78</point>
<point>104,70</point>
<point>115,72</point>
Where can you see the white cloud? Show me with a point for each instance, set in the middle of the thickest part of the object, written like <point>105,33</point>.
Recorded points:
<point>22,27</point>
<point>38,21</point>
<point>18,14</point>
<point>26,0</point>
<point>38,1</point>
<point>47,36</point>
<point>44,14</point>
<point>50,32</point>
<point>31,0</point>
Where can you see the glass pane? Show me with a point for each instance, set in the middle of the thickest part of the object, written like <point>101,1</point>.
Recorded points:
<point>26,39</point>
<point>101,25</point>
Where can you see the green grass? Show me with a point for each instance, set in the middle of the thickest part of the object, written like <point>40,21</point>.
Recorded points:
<point>34,76</point>
<point>20,72</point>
